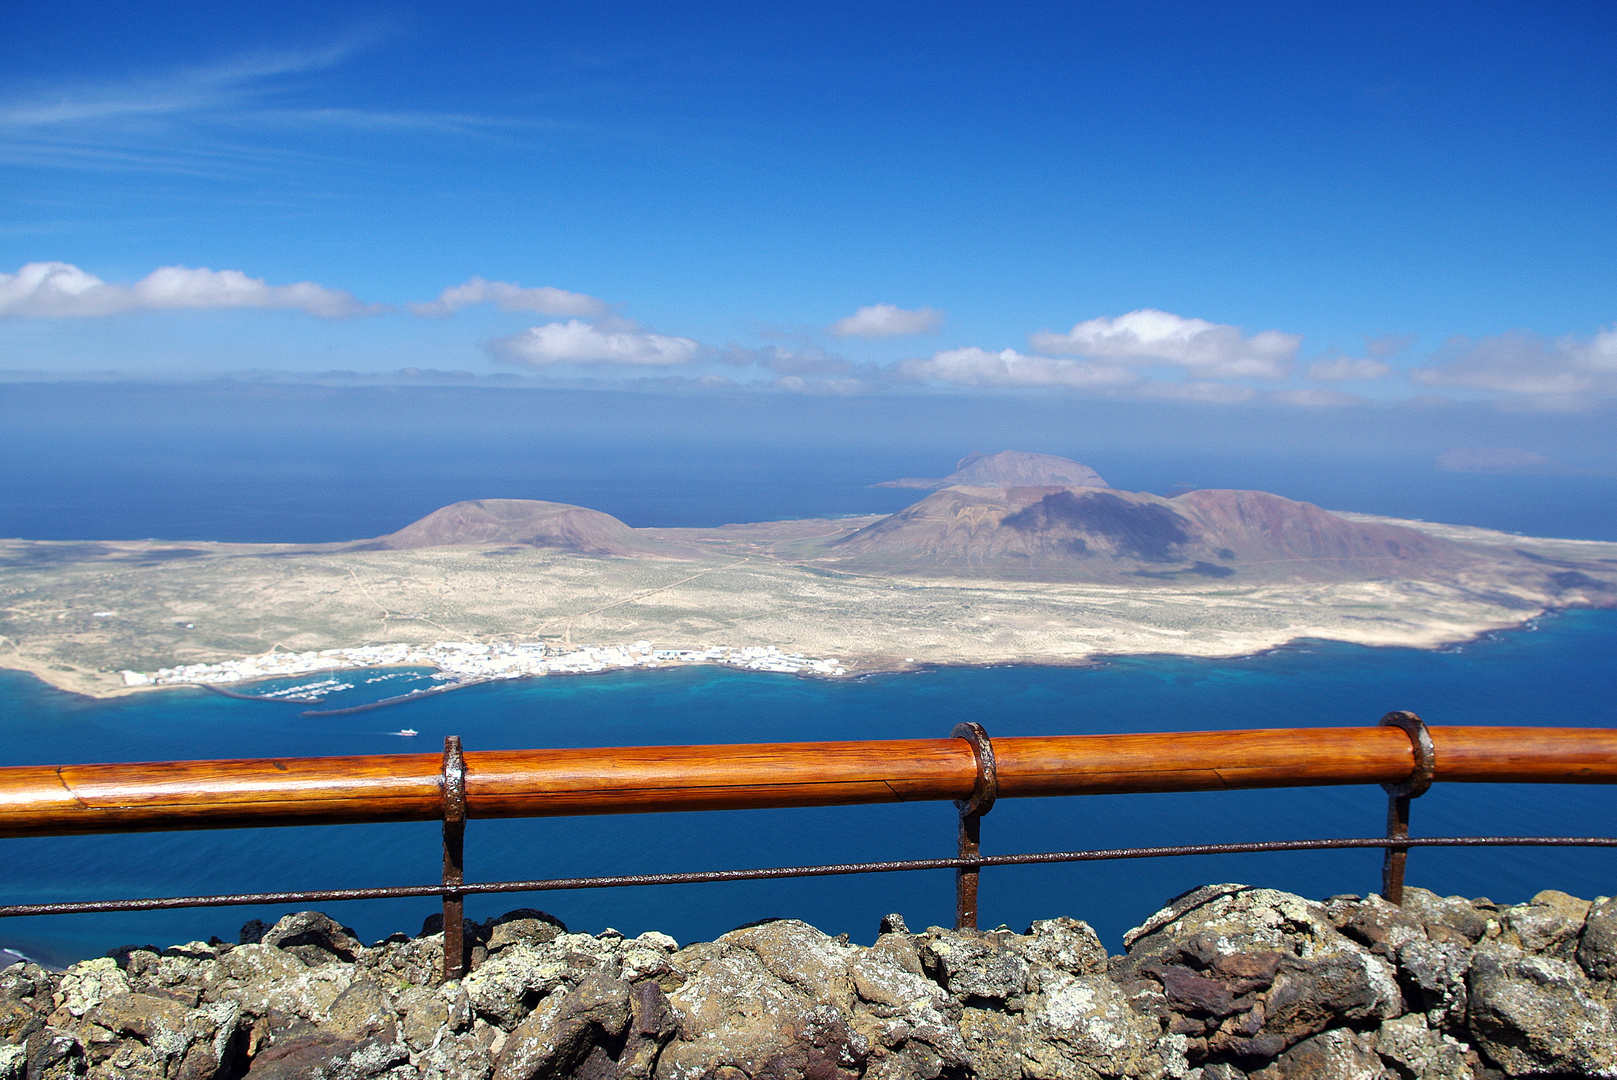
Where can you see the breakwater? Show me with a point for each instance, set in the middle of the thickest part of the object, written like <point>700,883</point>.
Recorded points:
<point>1225,982</point>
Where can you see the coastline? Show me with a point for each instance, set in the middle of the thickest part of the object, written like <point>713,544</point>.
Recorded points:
<point>103,685</point>
<point>78,621</point>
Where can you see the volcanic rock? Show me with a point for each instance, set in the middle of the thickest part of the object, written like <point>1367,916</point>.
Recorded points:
<point>1224,983</point>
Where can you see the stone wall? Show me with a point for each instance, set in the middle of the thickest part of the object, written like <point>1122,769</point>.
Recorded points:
<point>1226,982</point>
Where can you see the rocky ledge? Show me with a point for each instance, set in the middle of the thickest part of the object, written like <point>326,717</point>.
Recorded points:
<point>1226,982</point>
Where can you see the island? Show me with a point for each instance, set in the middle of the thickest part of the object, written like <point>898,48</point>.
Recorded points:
<point>1017,558</point>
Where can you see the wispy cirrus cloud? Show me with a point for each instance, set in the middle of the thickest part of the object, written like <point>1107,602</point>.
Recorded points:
<point>186,120</point>
<point>178,92</point>
<point>886,320</point>
<point>205,119</point>
<point>508,296</point>
<point>1149,337</point>
<point>62,290</point>
<point>576,342</point>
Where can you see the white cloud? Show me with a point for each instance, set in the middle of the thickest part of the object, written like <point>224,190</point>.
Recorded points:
<point>886,320</point>
<point>62,290</point>
<point>508,296</point>
<point>1147,336</point>
<point>979,367</point>
<point>796,384</point>
<point>1342,368</point>
<point>811,360</point>
<point>574,342</point>
<point>1315,399</point>
<point>1562,371</point>
<point>1208,393</point>
<point>1388,344</point>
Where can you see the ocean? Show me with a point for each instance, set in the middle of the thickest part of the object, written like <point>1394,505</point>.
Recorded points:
<point>1556,671</point>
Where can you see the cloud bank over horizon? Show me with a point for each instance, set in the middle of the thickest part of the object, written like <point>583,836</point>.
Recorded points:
<point>1145,354</point>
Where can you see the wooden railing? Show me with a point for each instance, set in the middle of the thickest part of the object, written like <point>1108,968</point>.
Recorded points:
<point>1402,754</point>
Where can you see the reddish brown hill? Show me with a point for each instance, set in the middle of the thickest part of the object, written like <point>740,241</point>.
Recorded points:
<point>971,526</point>
<point>1092,534</point>
<point>526,522</point>
<point>1257,526</point>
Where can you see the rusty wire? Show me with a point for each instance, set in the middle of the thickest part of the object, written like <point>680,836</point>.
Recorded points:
<point>769,873</point>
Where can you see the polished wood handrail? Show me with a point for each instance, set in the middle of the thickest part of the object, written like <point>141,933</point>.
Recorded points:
<point>144,796</point>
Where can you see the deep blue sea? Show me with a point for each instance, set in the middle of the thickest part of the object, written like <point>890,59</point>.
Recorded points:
<point>249,463</point>
<point>1560,671</point>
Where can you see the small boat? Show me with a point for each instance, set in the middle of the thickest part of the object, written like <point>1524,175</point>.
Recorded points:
<point>407,732</point>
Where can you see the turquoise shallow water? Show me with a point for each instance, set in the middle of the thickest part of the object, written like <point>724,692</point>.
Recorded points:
<point>1559,672</point>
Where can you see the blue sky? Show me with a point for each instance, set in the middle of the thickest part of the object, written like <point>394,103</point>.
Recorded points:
<point>1388,205</point>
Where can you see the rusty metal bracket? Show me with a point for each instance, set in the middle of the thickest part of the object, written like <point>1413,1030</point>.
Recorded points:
<point>1425,754</point>
<point>1398,796</point>
<point>983,794</point>
<point>986,789</point>
<point>454,790</point>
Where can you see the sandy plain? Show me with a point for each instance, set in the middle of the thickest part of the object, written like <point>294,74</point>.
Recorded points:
<point>75,614</point>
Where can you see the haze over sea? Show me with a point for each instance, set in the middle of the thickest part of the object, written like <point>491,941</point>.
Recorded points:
<point>1555,671</point>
